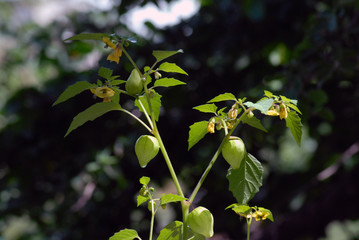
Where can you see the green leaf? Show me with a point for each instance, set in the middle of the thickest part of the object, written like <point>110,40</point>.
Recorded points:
<point>253,122</point>
<point>141,199</point>
<point>173,231</point>
<point>117,82</point>
<point>155,103</point>
<point>241,209</point>
<point>91,114</point>
<point>268,94</point>
<point>168,82</point>
<point>145,180</point>
<point>223,97</point>
<point>270,216</point>
<point>262,105</point>
<point>245,181</point>
<point>73,90</point>
<point>171,67</point>
<point>295,126</point>
<point>292,106</point>
<point>197,131</point>
<point>206,108</point>
<point>167,198</point>
<point>105,72</point>
<point>88,36</point>
<point>161,55</point>
<point>125,234</point>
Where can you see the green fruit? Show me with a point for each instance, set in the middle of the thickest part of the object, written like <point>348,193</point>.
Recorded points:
<point>146,149</point>
<point>134,83</point>
<point>233,151</point>
<point>200,220</point>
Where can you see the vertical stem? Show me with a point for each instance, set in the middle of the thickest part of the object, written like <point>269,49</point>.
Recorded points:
<point>152,219</point>
<point>249,228</point>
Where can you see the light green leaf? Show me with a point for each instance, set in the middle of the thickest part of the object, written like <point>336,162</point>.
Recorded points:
<point>145,180</point>
<point>155,103</point>
<point>268,94</point>
<point>105,72</point>
<point>141,199</point>
<point>171,67</point>
<point>253,122</point>
<point>125,234</point>
<point>88,36</point>
<point>245,181</point>
<point>167,198</point>
<point>173,231</point>
<point>161,55</point>
<point>262,105</point>
<point>270,216</point>
<point>241,209</point>
<point>168,82</point>
<point>223,97</point>
<point>295,126</point>
<point>73,90</point>
<point>292,106</point>
<point>92,113</point>
<point>117,82</point>
<point>206,108</point>
<point>197,131</point>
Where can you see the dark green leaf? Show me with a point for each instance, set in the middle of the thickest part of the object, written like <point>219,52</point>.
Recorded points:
<point>155,103</point>
<point>295,126</point>
<point>73,90</point>
<point>245,181</point>
<point>168,82</point>
<point>105,72</point>
<point>253,122</point>
<point>91,114</point>
<point>197,131</point>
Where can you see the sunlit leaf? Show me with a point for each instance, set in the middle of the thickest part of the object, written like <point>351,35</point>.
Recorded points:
<point>206,108</point>
<point>125,234</point>
<point>73,90</point>
<point>292,106</point>
<point>245,181</point>
<point>141,199</point>
<point>264,210</point>
<point>161,55</point>
<point>155,103</point>
<point>145,180</point>
<point>262,105</point>
<point>173,231</point>
<point>268,94</point>
<point>253,122</point>
<point>167,198</point>
<point>197,131</point>
<point>223,97</point>
<point>294,124</point>
<point>171,67</point>
<point>168,82</point>
<point>91,114</point>
<point>88,36</point>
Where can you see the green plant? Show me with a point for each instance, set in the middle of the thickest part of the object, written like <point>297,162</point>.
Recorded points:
<point>245,173</point>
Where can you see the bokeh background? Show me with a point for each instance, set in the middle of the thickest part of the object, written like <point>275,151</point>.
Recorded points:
<point>84,186</point>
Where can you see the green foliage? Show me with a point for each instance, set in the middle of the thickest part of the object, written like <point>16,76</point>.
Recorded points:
<point>173,231</point>
<point>170,197</point>
<point>223,97</point>
<point>88,36</point>
<point>206,108</point>
<point>161,55</point>
<point>245,182</point>
<point>73,90</point>
<point>168,82</point>
<point>294,124</point>
<point>197,131</point>
<point>155,100</point>
<point>125,234</point>
<point>171,67</point>
<point>262,105</point>
<point>253,122</point>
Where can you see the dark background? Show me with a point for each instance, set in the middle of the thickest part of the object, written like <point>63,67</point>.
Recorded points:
<point>84,186</point>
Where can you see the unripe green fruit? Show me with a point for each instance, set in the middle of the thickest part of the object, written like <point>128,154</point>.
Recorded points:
<point>146,149</point>
<point>134,84</point>
<point>233,151</point>
<point>200,220</point>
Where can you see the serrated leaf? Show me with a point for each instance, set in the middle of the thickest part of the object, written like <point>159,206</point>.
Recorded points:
<point>253,122</point>
<point>125,234</point>
<point>155,103</point>
<point>262,105</point>
<point>173,231</point>
<point>105,72</point>
<point>197,131</point>
<point>88,36</point>
<point>292,106</point>
<point>168,198</point>
<point>161,55</point>
<point>141,199</point>
<point>73,90</point>
<point>168,82</point>
<point>91,114</point>
<point>223,97</point>
<point>268,94</point>
<point>295,126</point>
<point>145,180</point>
<point>245,181</point>
<point>206,108</point>
<point>171,67</point>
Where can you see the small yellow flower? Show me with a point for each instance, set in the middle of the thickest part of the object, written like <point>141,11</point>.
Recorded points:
<point>103,92</point>
<point>233,113</point>
<point>108,42</point>
<point>259,215</point>
<point>283,113</point>
<point>273,111</point>
<point>117,50</point>
<point>210,127</point>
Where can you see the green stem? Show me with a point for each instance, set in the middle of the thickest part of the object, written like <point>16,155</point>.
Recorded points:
<point>152,219</point>
<point>249,228</point>
<point>134,116</point>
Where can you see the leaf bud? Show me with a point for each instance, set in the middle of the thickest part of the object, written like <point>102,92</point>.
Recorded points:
<point>146,149</point>
<point>150,204</point>
<point>200,220</point>
<point>233,151</point>
<point>158,75</point>
<point>143,191</point>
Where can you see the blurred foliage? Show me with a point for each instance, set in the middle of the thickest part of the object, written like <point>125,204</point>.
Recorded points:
<point>83,186</point>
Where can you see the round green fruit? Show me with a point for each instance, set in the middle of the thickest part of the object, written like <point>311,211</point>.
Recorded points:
<point>233,151</point>
<point>200,220</point>
<point>134,83</point>
<point>146,149</point>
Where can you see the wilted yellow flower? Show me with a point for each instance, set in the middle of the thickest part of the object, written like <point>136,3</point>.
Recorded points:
<point>259,215</point>
<point>283,113</point>
<point>117,50</point>
<point>210,127</point>
<point>103,92</point>
<point>233,113</point>
<point>108,42</point>
<point>273,111</point>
